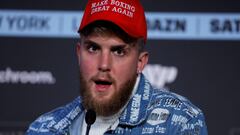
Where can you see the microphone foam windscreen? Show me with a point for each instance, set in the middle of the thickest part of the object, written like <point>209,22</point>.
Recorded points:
<point>90,117</point>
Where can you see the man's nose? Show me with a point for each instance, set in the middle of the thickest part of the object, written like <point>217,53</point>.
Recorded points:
<point>105,62</point>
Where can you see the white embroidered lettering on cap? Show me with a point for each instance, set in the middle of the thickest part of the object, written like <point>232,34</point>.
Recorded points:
<point>99,9</point>
<point>123,5</point>
<point>114,6</point>
<point>123,8</point>
<point>99,6</point>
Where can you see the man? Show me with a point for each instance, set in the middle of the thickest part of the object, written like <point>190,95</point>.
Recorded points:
<point>111,57</point>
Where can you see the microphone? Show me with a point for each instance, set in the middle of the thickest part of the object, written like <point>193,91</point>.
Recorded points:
<point>90,119</point>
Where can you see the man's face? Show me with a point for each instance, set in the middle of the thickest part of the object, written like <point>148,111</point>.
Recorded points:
<point>108,71</point>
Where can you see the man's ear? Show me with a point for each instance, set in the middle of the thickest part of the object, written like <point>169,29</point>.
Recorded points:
<point>142,61</point>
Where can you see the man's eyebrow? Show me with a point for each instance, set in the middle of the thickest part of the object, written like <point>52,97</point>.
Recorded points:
<point>89,42</point>
<point>113,47</point>
<point>121,46</point>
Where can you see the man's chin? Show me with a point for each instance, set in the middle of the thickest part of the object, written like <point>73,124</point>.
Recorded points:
<point>102,99</point>
<point>101,95</point>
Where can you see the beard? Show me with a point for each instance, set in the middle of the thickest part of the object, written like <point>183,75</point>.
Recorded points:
<point>110,106</point>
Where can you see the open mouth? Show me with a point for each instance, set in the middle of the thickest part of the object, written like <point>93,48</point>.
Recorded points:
<point>102,85</point>
<point>103,82</point>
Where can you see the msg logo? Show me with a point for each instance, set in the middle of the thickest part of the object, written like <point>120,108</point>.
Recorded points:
<point>159,75</point>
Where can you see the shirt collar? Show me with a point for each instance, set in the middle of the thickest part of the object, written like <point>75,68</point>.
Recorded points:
<point>135,111</point>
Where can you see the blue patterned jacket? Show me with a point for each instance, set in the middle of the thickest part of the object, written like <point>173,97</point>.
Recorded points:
<point>149,112</point>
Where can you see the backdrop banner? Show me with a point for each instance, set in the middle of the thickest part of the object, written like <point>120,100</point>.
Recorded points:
<point>194,51</point>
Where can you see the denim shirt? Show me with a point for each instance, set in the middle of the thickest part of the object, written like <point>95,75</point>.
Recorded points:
<point>150,111</point>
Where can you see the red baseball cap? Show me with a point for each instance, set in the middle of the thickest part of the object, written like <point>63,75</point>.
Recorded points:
<point>127,14</point>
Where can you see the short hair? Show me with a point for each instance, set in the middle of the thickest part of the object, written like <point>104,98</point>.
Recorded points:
<point>104,27</point>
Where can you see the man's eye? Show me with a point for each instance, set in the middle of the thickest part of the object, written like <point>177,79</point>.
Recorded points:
<point>92,48</point>
<point>119,52</point>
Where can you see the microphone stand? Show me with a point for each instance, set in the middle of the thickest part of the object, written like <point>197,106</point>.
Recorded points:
<point>88,129</point>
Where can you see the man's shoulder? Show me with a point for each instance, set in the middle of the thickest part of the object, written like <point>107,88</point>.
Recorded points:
<point>174,103</point>
<point>175,114</point>
<point>56,120</point>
